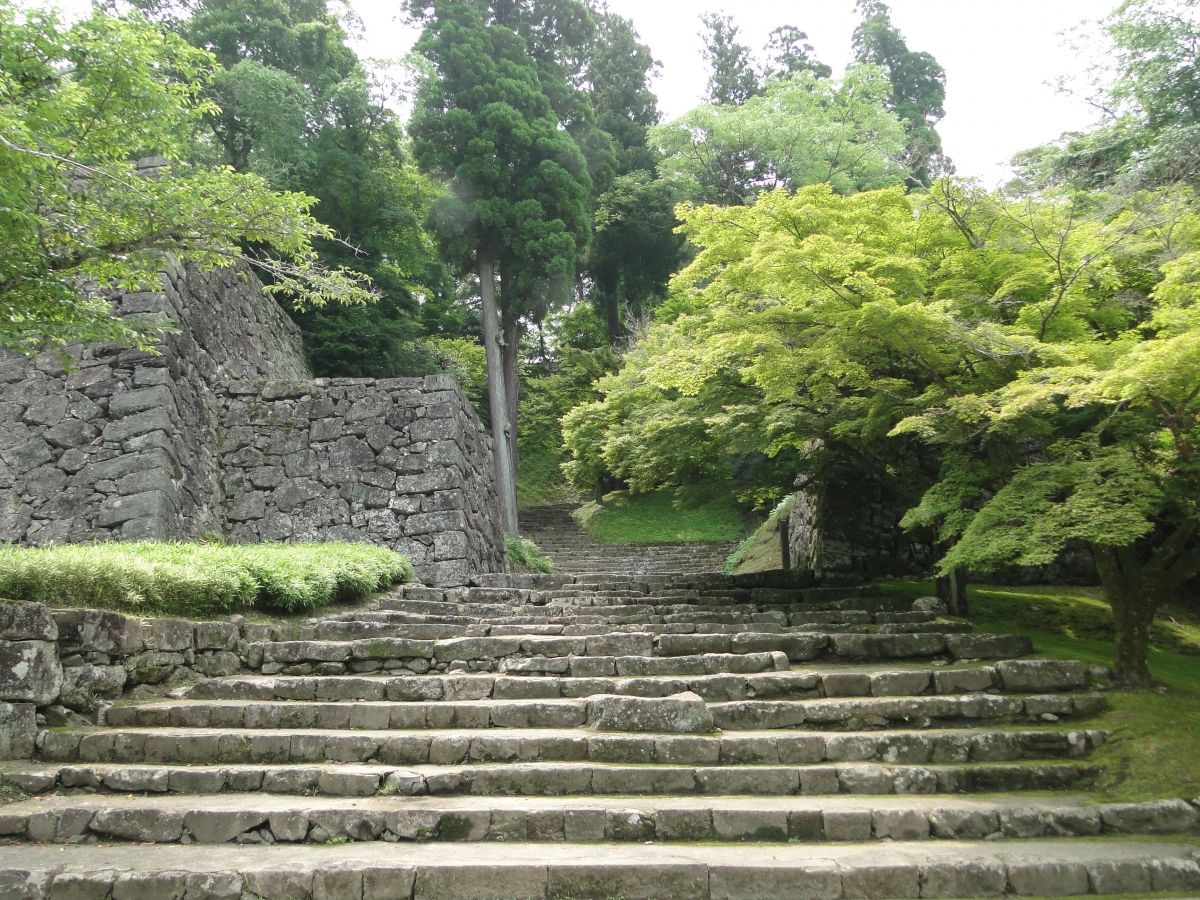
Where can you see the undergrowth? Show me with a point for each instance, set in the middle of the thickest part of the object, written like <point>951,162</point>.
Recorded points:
<point>193,580</point>
<point>526,553</point>
<point>662,517</point>
<point>760,551</point>
<point>1154,751</point>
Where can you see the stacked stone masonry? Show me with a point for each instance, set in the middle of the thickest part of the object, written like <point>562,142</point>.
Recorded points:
<point>224,431</point>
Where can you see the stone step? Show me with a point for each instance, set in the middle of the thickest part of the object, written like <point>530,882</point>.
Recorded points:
<point>486,653</point>
<point>678,712</point>
<point>526,679</point>
<point>575,626</point>
<point>169,744</point>
<point>272,818</point>
<point>542,778</point>
<point>351,870</point>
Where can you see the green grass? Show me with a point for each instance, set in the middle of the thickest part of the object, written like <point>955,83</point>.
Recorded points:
<point>761,551</point>
<point>194,580</point>
<point>526,554</point>
<point>662,517</point>
<point>540,480</point>
<point>1155,748</point>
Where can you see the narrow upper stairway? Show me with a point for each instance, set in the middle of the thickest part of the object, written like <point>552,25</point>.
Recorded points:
<point>573,550</point>
<point>660,736</point>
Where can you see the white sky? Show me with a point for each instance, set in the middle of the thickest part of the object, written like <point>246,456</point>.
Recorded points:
<point>1001,58</point>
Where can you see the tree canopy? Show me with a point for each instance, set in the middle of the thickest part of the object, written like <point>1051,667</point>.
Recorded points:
<point>78,105</point>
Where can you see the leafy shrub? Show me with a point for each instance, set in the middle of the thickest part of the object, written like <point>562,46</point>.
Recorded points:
<point>198,579</point>
<point>526,552</point>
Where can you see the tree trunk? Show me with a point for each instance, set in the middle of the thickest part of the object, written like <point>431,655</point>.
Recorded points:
<point>1132,614</point>
<point>506,487</point>
<point>512,392</point>
<point>1133,591</point>
<point>952,589</point>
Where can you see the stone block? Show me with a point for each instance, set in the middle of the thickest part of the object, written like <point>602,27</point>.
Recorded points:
<point>218,826</point>
<point>480,881</point>
<point>848,825</point>
<point>813,880</point>
<point>750,825</point>
<point>155,826</point>
<point>684,824</point>
<point>1174,875</point>
<point>900,824</point>
<point>683,713</point>
<point>964,878</point>
<point>1119,877</point>
<point>83,885</point>
<point>26,622</point>
<point>877,882</point>
<point>388,882</point>
<point>18,731</point>
<point>645,881</point>
<point>1044,878</point>
<point>1035,676</point>
<point>30,671</point>
<point>988,646</point>
<point>1154,817</point>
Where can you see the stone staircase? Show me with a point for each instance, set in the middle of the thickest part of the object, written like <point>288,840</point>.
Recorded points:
<point>573,550</point>
<point>596,736</point>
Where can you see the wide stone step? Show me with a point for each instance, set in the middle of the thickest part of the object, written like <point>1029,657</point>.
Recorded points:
<point>486,653</point>
<point>350,870</point>
<point>548,779</point>
<point>609,712</point>
<point>168,744</point>
<point>408,625</point>
<point>273,818</point>
<point>531,678</point>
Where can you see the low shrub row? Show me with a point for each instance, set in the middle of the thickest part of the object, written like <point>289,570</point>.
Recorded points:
<point>194,580</point>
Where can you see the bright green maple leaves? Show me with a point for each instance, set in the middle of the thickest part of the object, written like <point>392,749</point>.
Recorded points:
<point>1011,352</point>
<point>77,105</point>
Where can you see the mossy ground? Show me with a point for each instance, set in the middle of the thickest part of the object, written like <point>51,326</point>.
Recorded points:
<point>662,517</point>
<point>1155,748</point>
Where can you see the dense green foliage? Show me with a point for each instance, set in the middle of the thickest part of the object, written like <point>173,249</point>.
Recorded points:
<point>196,580</point>
<point>1009,354</point>
<point>296,105</point>
<point>78,105</point>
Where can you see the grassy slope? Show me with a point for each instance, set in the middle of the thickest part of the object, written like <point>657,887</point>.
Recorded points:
<point>540,481</point>
<point>1155,748</point>
<point>661,517</point>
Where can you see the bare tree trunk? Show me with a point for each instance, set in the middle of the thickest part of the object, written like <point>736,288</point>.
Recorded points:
<point>506,486</point>
<point>512,391</point>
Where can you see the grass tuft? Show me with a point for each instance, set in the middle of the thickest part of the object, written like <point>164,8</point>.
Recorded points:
<point>526,553</point>
<point>194,580</point>
<point>760,552</point>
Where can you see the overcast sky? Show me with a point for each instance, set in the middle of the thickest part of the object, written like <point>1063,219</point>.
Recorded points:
<point>1001,58</point>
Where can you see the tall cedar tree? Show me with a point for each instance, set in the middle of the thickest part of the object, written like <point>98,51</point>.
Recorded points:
<point>518,185</point>
<point>791,53</point>
<point>733,79</point>
<point>635,249</point>
<point>918,84</point>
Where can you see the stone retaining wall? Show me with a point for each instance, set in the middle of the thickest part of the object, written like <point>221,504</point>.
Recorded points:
<point>225,432</point>
<point>402,462</point>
